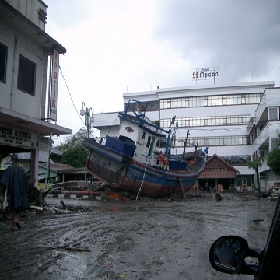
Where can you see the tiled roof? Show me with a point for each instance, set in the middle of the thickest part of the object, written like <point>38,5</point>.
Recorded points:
<point>58,166</point>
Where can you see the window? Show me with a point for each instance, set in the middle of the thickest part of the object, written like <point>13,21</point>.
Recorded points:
<point>3,62</point>
<point>208,121</point>
<point>174,103</point>
<point>273,114</point>
<point>207,101</point>
<point>274,142</point>
<point>26,75</point>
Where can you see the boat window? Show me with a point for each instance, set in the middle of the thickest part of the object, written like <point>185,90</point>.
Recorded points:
<point>144,135</point>
<point>149,142</point>
<point>152,146</point>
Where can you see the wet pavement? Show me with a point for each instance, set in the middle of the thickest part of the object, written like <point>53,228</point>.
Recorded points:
<point>130,239</point>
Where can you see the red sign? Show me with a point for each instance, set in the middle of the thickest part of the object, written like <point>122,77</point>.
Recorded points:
<point>54,86</point>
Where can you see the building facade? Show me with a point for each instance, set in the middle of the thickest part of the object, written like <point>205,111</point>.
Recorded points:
<point>26,53</point>
<point>237,122</point>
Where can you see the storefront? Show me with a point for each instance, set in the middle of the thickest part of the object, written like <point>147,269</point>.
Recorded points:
<point>18,135</point>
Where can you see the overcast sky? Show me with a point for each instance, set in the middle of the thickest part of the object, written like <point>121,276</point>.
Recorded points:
<point>119,46</point>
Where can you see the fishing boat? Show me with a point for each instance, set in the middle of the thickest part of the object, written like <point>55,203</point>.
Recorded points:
<point>140,160</point>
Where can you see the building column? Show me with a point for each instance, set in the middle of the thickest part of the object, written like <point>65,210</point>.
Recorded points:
<point>34,159</point>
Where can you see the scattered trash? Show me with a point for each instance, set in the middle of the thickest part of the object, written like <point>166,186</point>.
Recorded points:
<point>73,247</point>
<point>59,211</point>
<point>218,197</point>
<point>44,266</point>
<point>36,207</point>
<point>258,220</point>
<point>63,204</point>
<point>77,248</point>
<point>114,196</point>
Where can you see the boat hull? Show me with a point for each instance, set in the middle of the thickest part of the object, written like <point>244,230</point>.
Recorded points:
<point>126,174</point>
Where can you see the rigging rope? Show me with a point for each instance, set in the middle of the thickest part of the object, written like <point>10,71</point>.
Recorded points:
<point>112,126</point>
<point>140,188</point>
<point>142,182</point>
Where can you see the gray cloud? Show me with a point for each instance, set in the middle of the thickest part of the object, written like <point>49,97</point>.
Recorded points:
<point>67,13</point>
<point>241,37</point>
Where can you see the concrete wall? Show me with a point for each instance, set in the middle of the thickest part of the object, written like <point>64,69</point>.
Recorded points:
<point>34,10</point>
<point>11,97</point>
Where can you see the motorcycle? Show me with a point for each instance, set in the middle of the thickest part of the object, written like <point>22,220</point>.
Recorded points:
<point>232,254</point>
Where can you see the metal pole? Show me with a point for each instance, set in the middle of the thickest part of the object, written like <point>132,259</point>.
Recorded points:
<point>88,119</point>
<point>88,122</point>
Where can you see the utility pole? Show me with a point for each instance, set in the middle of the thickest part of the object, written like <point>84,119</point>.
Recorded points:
<point>88,119</point>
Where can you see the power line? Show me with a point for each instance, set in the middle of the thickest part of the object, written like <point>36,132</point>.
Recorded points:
<point>70,95</point>
<point>72,98</point>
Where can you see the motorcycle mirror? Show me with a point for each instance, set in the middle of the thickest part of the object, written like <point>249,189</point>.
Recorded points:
<point>227,254</point>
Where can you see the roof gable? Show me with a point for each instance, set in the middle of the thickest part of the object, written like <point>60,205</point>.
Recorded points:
<point>215,162</point>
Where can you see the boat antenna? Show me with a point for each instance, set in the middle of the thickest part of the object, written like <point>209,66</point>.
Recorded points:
<point>171,138</point>
<point>110,127</point>
<point>139,111</point>
<point>173,120</point>
<point>185,143</point>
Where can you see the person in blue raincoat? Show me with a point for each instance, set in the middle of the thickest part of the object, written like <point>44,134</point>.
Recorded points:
<point>15,180</point>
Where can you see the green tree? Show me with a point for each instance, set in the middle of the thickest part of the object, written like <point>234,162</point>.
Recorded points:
<point>75,156</point>
<point>73,152</point>
<point>273,158</point>
<point>256,164</point>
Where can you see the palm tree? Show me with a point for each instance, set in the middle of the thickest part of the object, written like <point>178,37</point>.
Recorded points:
<point>256,164</point>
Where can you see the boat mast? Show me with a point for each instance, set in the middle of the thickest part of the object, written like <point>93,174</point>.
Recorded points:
<point>169,138</point>
<point>185,143</point>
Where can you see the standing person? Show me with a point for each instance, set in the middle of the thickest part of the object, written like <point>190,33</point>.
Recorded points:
<point>15,180</point>
<point>160,159</point>
<point>206,187</point>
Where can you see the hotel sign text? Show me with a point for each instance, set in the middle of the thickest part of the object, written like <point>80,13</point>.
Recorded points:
<point>204,73</point>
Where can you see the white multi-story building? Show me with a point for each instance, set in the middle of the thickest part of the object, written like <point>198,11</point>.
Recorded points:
<point>235,121</point>
<point>26,51</point>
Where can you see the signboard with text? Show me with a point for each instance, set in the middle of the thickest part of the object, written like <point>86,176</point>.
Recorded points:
<point>17,137</point>
<point>45,143</point>
<point>54,86</point>
<point>205,73</point>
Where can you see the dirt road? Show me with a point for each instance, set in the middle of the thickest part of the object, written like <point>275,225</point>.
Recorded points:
<point>130,240</point>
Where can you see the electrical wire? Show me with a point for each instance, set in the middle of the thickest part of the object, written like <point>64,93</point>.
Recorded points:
<point>71,96</point>
<point>110,128</point>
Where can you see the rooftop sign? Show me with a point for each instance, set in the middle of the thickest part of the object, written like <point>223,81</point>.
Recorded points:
<point>205,73</point>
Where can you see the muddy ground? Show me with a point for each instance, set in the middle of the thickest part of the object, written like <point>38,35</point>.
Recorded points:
<point>129,239</point>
